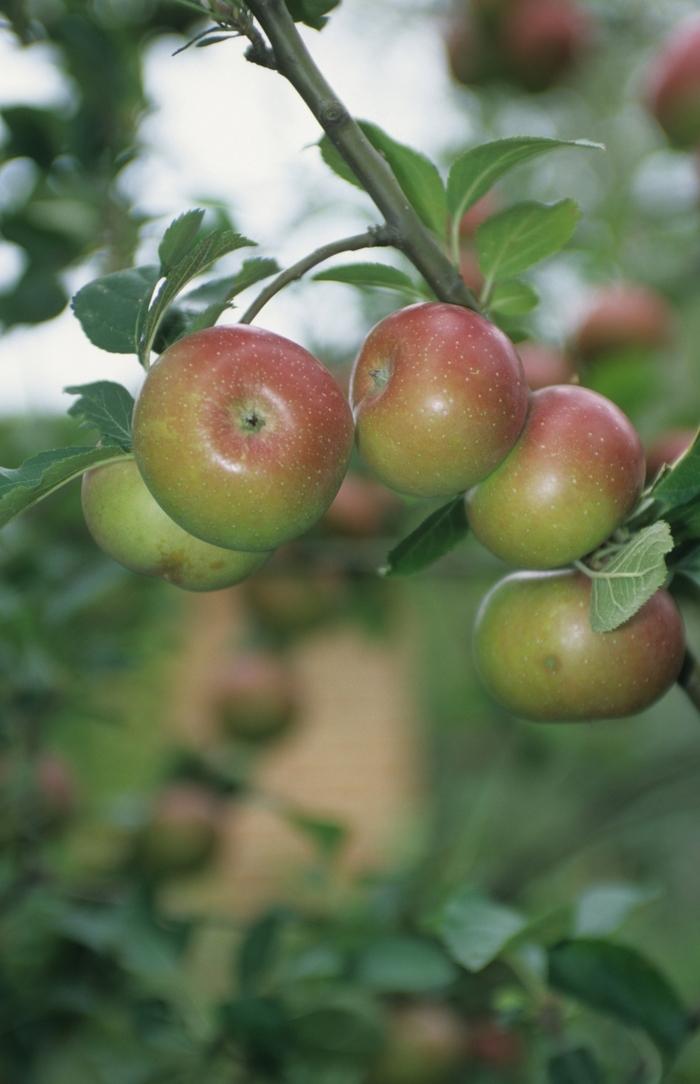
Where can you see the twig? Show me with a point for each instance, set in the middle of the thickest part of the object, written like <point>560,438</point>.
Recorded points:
<point>422,247</point>
<point>376,235</point>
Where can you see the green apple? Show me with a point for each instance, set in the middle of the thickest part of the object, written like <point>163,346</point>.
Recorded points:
<point>182,831</point>
<point>573,477</point>
<point>439,397</point>
<point>255,697</point>
<point>242,436</point>
<point>539,657</point>
<point>131,527</point>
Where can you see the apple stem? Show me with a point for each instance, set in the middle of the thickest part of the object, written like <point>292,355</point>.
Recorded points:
<point>689,679</point>
<point>420,245</point>
<point>376,235</point>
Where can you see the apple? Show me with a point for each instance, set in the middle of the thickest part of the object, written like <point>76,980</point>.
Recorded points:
<point>439,397</point>
<point>544,365</point>
<point>539,657</point>
<point>255,697</point>
<point>182,831</point>
<point>361,509</point>
<point>493,1044</point>
<point>572,478</point>
<point>131,527</point>
<point>242,436</point>
<point>543,39</point>
<point>285,603</point>
<point>667,448</point>
<point>673,84</point>
<point>426,1043</point>
<point>622,316</point>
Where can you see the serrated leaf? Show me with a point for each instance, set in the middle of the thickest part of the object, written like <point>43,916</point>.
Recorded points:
<point>372,276</point>
<point>418,177</point>
<point>681,484</point>
<point>579,1066</point>
<point>476,930</point>
<point>431,540</point>
<point>602,909</point>
<point>405,965</point>
<point>201,255</point>
<point>513,297</point>
<point>622,983</point>
<point>311,12</point>
<point>476,170</point>
<point>107,407</point>
<point>224,289</point>
<point>630,578</point>
<point>108,307</point>
<point>178,239</point>
<point>43,473</point>
<point>512,241</point>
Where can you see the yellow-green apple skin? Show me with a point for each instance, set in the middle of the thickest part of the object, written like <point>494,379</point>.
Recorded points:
<point>242,436</point>
<point>573,477</point>
<point>439,397</point>
<point>539,657</point>
<point>131,527</point>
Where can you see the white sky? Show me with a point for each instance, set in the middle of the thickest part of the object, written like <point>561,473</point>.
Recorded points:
<point>227,130</point>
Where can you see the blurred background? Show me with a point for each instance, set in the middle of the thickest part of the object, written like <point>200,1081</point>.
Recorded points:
<point>229,821</point>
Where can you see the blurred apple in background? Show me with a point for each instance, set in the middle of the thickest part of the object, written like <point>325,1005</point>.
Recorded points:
<point>182,831</point>
<point>255,697</point>
<point>673,84</point>
<point>622,316</point>
<point>667,448</point>
<point>545,365</point>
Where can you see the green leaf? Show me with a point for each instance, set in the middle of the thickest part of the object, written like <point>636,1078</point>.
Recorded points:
<point>372,276</point>
<point>418,177</point>
<point>107,407</point>
<point>431,540</point>
<point>512,241</point>
<point>630,578</point>
<point>328,836</point>
<point>222,290</point>
<point>341,1024</point>
<point>602,909</point>
<point>178,240</point>
<point>259,947</point>
<point>44,473</point>
<point>405,965</point>
<point>513,297</point>
<point>620,982</point>
<point>476,170</point>
<point>312,12</point>
<point>475,929</point>
<point>108,308</point>
<point>577,1066</point>
<point>681,483</point>
<point>200,256</point>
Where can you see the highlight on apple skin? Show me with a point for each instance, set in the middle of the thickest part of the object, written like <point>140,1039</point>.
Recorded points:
<point>439,397</point>
<point>131,527</point>
<point>539,657</point>
<point>573,477</point>
<point>673,84</point>
<point>242,436</point>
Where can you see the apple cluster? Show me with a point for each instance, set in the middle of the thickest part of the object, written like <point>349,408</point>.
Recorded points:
<point>442,406</point>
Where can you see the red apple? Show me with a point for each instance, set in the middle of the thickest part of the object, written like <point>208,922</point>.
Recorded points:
<point>255,697</point>
<point>543,39</point>
<point>492,1044</point>
<point>242,437</point>
<point>573,477</point>
<point>131,527</point>
<point>426,1044</point>
<point>667,448</point>
<point>544,365</point>
<point>622,316</point>
<point>439,397</point>
<point>673,90</point>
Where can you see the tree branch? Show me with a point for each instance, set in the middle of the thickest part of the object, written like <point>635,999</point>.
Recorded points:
<point>295,63</point>
<point>689,679</point>
<point>376,235</point>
